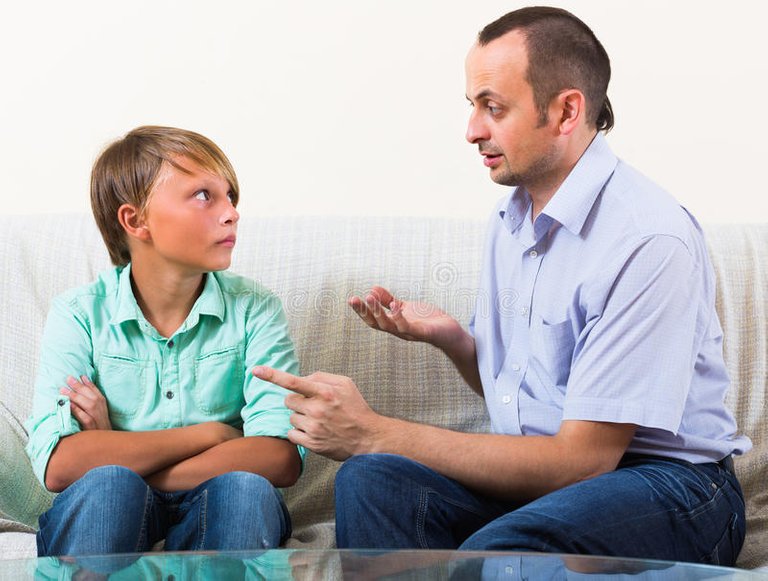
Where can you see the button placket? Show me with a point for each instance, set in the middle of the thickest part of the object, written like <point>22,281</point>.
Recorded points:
<point>168,382</point>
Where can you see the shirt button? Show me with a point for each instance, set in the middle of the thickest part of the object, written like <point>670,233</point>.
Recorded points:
<point>170,343</point>
<point>169,394</point>
<point>506,399</point>
<point>515,367</point>
<point>533,254</point>
<point>61,402</point>
<point>524,311</point>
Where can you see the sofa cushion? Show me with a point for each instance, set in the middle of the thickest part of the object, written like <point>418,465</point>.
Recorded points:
<point>22,497</point>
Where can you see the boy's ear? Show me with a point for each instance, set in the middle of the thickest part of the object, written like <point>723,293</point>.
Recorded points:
<point>132,222</point>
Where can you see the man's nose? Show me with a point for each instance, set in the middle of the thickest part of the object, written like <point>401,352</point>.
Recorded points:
<point>476,128</point>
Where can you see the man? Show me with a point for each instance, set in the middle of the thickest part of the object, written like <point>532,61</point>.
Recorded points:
<point>605,384</point>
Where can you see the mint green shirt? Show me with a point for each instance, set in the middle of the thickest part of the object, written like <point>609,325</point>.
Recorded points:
<point>202,373</point>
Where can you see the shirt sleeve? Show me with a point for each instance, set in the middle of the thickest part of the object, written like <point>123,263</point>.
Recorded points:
<point>269,343</point>
<point>633,362</point>
<point>65,350</point>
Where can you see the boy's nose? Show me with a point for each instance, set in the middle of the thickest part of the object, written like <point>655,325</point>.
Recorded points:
<point>231,216</point>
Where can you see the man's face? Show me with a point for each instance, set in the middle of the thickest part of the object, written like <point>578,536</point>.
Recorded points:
<point>505,123</point>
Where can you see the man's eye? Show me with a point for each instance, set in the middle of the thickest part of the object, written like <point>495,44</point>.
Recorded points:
<point>494,110</point>
<point>203,195</point>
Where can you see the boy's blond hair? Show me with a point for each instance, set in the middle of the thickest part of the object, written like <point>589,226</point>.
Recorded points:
<point>126,172</point>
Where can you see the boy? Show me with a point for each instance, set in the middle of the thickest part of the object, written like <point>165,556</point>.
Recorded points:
<point>146,417</point>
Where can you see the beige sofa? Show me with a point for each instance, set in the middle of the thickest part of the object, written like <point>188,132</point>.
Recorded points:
<point>315,264</point>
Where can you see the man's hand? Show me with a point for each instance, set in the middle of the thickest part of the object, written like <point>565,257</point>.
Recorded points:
<point>421,322</point>
<point>330,415</point>
<point>408,320</point>
<point>88,404</point>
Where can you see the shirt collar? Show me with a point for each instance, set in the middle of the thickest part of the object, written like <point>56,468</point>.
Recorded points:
<point>210,302</point>
<point>575,197</point>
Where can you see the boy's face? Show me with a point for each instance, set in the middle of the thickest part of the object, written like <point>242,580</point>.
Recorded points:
<point>191,221</point>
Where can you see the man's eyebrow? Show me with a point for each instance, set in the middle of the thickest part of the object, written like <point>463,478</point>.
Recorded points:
<point>484,94</point>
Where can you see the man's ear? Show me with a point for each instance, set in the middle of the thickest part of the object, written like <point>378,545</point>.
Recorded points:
<point>571,108</point>
<point>132,221</point>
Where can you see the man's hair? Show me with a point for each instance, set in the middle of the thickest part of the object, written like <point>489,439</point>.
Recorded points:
<point>126,172</point>
<point>563,53</point>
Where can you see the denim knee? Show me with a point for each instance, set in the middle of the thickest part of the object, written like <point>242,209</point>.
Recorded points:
<point>367,468</point>
<point>246,512</point>
<point>240,491</point>
<point>111,479</point>
<point>102,512</point>
<point>100,488</point>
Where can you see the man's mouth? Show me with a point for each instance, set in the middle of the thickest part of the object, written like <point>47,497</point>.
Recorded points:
<point>491,159</point>
<point>229,241</point>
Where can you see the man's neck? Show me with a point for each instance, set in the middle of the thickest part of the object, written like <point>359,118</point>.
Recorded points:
<point>542,192</point>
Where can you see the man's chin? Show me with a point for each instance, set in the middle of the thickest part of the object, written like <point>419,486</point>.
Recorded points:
<point>504,178</point>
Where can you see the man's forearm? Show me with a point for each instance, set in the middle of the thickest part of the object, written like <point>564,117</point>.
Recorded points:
<point>463,354</point>
<point>274,458</point>
<point>143,452</point>
<point>507,467</point>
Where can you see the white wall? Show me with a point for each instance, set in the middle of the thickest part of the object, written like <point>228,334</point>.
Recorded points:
<point>357,106</point>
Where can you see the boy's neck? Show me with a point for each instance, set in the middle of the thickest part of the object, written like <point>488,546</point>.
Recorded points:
<point>165,298</point>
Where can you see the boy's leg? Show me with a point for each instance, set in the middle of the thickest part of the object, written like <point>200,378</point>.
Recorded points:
<point>231,512</point>
<point>384,501</point>
<point>109,510</point>
<point>648,508</point>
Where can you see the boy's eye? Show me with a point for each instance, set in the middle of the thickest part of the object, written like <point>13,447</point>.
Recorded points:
<point>203,195</point>
<point>231,197</point>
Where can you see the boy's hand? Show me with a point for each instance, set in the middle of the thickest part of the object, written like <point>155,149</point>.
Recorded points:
<point>408,320</point>
<point>88,404</point>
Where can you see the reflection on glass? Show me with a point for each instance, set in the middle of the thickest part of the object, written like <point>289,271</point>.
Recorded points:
<point>306,565</point>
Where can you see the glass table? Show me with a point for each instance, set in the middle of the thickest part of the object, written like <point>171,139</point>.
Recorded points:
<point>301,565</point>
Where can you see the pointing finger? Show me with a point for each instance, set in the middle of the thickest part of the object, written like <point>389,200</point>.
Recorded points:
<point>286,380</point>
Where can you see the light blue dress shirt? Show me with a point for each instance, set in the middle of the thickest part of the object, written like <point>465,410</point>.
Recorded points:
<point>202,373</point>
<point>603,309</point>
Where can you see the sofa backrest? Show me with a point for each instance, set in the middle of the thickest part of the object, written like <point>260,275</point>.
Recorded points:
<point>316,264</point>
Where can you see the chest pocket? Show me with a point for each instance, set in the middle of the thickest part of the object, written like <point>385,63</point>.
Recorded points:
<point>551,351</point>
<point>124,381</point>
<point>218,380</point>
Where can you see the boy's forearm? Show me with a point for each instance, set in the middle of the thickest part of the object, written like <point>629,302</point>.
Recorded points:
<point>275,459</point>
<point>143,452</point>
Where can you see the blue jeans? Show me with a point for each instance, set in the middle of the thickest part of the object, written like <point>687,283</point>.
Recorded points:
<point>649,507</point>
<point>112,510</point>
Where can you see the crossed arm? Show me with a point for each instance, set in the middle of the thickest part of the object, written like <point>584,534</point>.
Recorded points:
<point>172,459</point>
<point>332,418</point>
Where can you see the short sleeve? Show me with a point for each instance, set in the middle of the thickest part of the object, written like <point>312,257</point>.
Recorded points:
<point>65,350</point>
<point>634,362</point>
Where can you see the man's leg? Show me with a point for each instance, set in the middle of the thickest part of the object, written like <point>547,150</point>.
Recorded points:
<point>109,510</point>
<point>385,501</point>
<point>647,508</point>
<point>234,511</point>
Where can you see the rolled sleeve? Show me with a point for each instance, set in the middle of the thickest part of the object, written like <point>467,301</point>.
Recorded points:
<point>65,350</point>
<point>269,344</point>
<point>46,431</point>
